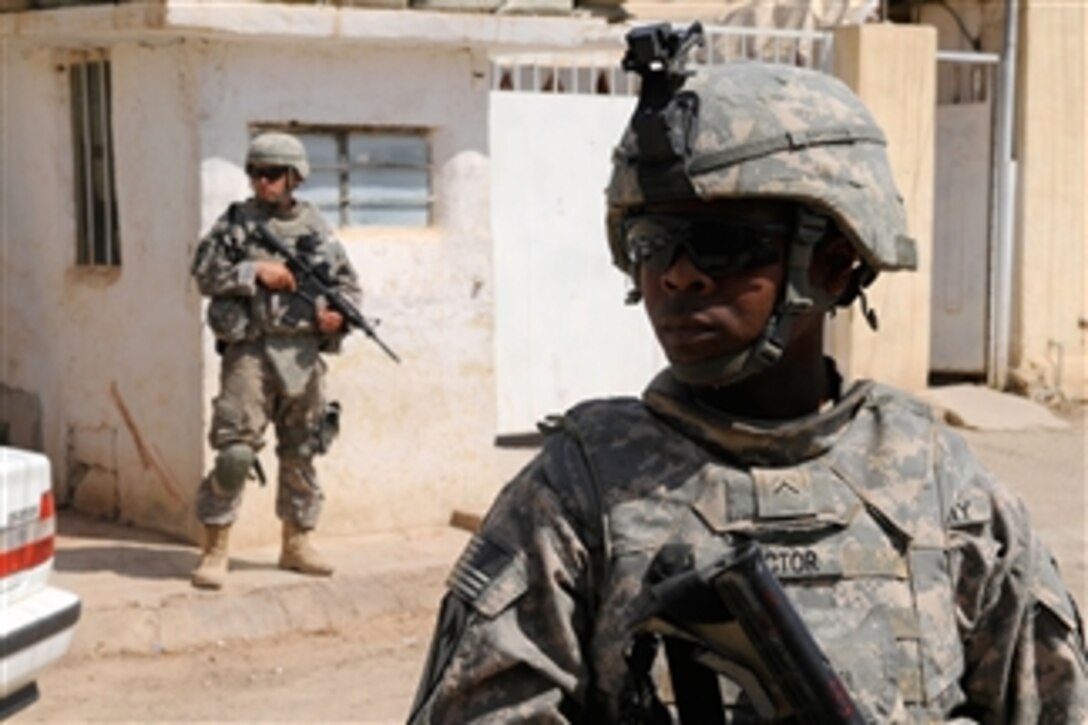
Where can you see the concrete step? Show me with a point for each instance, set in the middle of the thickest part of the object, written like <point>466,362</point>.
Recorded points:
<point>137,598</point>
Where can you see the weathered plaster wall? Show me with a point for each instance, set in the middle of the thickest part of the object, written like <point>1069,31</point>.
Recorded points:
<point>892,69</point>
<point>27,358</point>
<point>113,353</point>
<point>31,358</point>
<point>1052,260</point>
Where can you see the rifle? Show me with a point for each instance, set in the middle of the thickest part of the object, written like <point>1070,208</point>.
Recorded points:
<point>733,617</point>
<point>315,282</point>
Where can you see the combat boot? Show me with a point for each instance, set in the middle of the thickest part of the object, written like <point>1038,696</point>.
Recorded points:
<point>211,572</point>
<point>298,554</point>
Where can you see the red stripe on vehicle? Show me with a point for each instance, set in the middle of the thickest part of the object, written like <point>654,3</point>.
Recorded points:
<point>47,509</point>
<point>26,557</point>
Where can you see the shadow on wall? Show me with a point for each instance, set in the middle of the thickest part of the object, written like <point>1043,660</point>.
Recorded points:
<point>20,419</point>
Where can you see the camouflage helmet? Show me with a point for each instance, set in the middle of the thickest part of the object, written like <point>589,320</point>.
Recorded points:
<point>274,148</point>
<point>775,132</point>
<point>753,130</point>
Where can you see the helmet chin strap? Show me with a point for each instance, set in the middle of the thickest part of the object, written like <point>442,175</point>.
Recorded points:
<point>799,297</point>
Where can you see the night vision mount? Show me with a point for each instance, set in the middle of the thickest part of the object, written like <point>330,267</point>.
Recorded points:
<point>664,120</point>
<point>659,53</point>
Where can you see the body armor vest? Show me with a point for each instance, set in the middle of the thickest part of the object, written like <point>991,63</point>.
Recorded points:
<point>848,506</point>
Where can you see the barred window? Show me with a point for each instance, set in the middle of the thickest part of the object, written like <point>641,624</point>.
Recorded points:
<point>363,177</point>
<point>97,240</point>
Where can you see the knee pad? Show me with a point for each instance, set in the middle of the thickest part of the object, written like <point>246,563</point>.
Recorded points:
<point>232,466</point>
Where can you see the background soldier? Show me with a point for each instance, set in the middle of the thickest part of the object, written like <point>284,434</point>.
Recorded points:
<point>746,202</point>
<point>270,338</point>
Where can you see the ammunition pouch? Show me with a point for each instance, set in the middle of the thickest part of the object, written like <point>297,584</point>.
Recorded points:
<point>228,318</point>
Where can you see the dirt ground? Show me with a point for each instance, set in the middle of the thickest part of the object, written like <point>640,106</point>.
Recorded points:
<point>1048,470</point>
<point>369,675</point>
<point>351,675</point>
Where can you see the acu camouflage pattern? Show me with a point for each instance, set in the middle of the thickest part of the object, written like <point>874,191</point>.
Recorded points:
<point>278,149</point>
<point>916,572</point>
<point>272,370</point>
<point>225,270</point>
<point>774,131</point>
<point>252,395</point>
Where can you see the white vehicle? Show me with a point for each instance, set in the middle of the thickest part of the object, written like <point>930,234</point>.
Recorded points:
<point>36,620</point>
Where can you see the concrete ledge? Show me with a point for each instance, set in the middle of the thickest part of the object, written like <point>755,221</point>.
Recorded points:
<point>981,408</point>
<point>137,598</point>
<point>278,21</point>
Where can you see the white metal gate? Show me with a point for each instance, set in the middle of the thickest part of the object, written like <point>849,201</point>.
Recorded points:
<point>962,225</point>
<point>599,72</point>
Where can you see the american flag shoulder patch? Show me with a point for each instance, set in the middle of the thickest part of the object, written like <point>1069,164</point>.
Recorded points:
<point>480,564</point>
<point>489,576</point>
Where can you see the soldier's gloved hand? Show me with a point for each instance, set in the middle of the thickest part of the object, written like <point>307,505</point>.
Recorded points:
<point>275,275</point>
<point>329,321</point>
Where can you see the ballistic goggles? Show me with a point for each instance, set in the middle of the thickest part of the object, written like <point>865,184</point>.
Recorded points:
<point>716,245</point>
<point>268,173</point>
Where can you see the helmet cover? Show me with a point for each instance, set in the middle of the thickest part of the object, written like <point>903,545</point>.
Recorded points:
<point>762,130</point>
<point>274,148</point>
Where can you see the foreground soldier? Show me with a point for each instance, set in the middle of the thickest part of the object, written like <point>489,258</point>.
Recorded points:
<point>745,205</point>
<point>270,339</point>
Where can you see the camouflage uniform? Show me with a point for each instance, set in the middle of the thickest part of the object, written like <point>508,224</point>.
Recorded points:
<point>271,368</point>
<point>918,575</point>
<point>916,572</point>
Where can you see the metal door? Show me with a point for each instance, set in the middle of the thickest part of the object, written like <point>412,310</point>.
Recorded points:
<point>962,218</point>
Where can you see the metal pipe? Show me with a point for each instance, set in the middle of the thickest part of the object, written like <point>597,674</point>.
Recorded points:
<point>1003,215</point>
<point>970,57</point>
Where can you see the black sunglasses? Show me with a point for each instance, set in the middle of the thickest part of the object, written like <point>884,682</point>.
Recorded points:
<point>716,245</point>
<point>269,173</point>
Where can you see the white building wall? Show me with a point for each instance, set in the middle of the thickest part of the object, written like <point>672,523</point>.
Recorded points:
<point>562,331</point>
<point>34,222</point>
<point>112,353</point>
